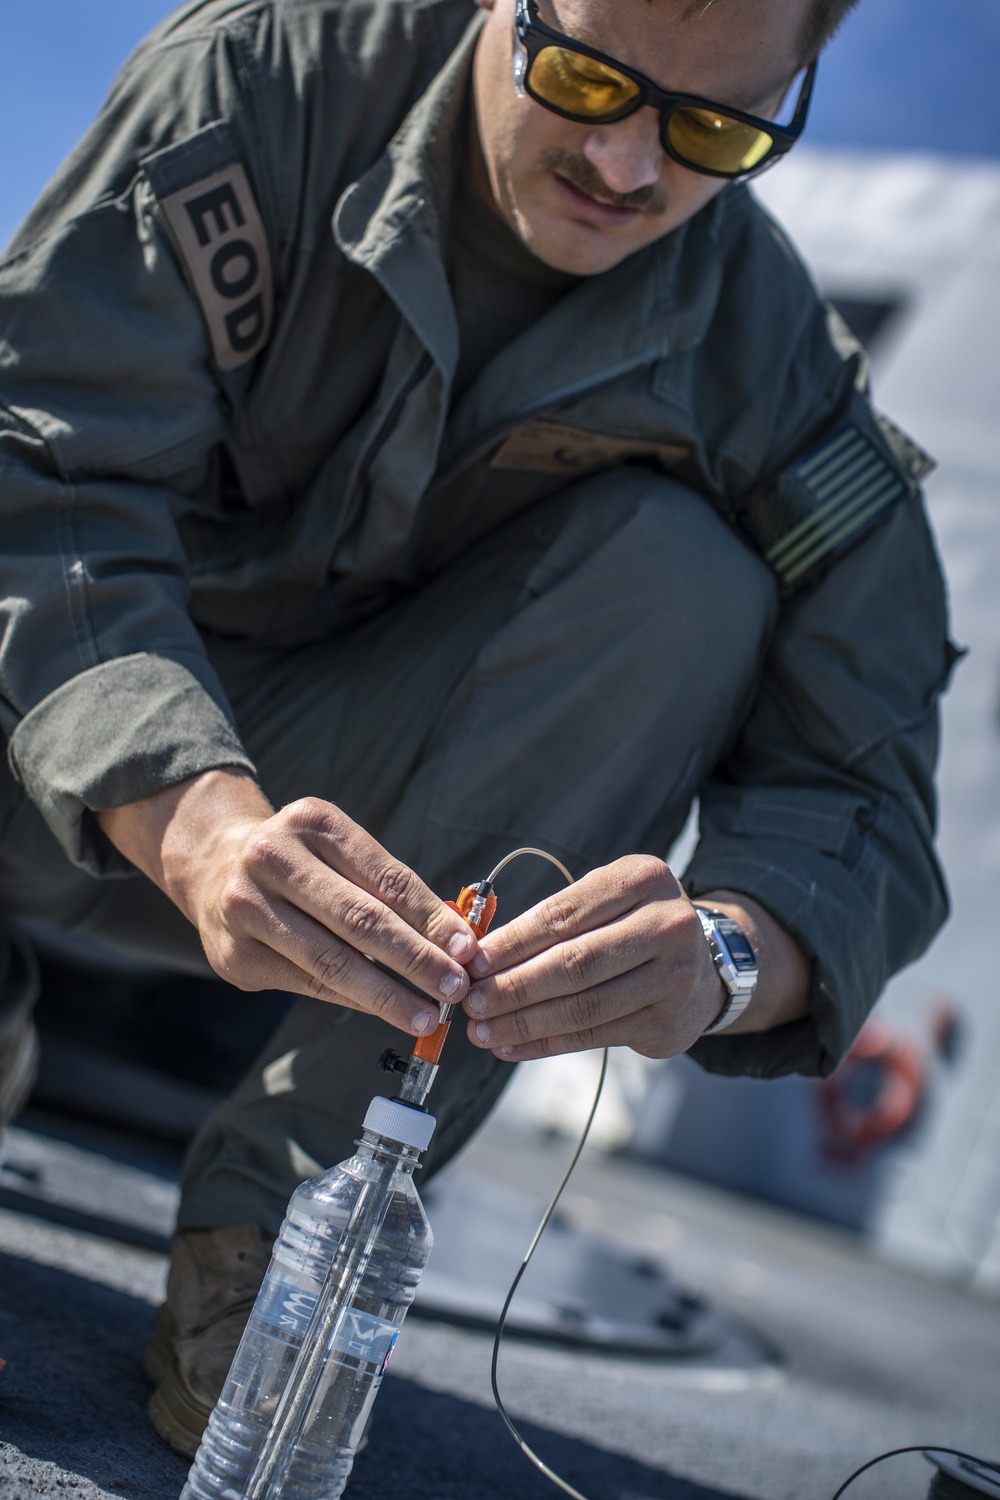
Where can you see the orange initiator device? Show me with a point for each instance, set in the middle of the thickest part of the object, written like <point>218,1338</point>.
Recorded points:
<point>477,904</point>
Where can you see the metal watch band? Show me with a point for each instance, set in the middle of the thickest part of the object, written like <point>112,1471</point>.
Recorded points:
<point>734,961</point>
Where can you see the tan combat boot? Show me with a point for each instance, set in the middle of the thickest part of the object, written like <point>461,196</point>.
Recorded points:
<point>215,1275</point>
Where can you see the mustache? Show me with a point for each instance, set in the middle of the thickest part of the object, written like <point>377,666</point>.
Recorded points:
<point>578,171</point>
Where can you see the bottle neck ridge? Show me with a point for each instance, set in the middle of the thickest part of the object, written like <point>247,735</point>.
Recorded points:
<point>375,1146</point>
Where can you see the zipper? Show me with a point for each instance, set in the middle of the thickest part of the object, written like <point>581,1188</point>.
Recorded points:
<point>469,455</point>
<point>362,468</point>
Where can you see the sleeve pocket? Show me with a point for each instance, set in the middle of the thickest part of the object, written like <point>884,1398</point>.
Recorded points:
<point>822,819</point>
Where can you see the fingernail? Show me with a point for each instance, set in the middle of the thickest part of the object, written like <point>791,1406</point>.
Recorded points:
<point>460,944</point>
<point>483,1032</point>
<point>506,1051</point>
<point>424,1021</point>
<point>449,984</point>
<point>476,1003</point>
<point>480,966</point>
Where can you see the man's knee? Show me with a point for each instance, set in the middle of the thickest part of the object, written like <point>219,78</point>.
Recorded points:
<point>656,560</point>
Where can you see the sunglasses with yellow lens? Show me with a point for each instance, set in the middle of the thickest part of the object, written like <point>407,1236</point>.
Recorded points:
<point>582,84</point>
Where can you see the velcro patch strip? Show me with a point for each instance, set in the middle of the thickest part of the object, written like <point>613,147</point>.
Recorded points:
<point>548,447</point>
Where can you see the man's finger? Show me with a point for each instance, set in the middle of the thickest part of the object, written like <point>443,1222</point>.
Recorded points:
<point>593,901</point>
<point>573,967</point>
<point>569,1015</point>
<point>293,952</point>
<point>334,968</point>
<point>347,848</point>
<point>279,862</point>
<point>610,1034</point>
<point>371,928</point>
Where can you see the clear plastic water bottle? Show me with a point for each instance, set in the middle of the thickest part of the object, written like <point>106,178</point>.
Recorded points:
<point>344,1270</point>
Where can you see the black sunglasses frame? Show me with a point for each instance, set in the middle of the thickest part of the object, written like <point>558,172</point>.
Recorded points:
<point>534,36</point>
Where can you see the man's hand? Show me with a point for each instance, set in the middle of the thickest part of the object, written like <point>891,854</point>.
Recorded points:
<point>620,959</point>
<point>294,900</point>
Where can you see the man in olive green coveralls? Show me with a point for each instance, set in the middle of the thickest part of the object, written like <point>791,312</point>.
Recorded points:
<point>382,445</point>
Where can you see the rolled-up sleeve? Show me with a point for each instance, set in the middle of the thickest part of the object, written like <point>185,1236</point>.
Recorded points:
<point>825,811</point>
<point>110,412</point>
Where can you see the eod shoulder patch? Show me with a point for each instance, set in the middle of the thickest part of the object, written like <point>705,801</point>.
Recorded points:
<point>219,234</point>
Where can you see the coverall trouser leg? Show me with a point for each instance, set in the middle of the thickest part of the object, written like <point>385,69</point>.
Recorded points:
<point>564,683</point>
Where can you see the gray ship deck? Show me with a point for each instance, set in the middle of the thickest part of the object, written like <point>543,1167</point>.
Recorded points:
<point>852,1356</point>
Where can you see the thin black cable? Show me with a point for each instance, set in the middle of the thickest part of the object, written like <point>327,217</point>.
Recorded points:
<point>529,1452</point>
<point>929,1448</point>
<point>525,1448</point>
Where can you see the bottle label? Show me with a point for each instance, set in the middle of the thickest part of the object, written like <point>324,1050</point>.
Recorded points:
<point>364,1336</point>
<point>284,1306</point>
<point>360,1335</point>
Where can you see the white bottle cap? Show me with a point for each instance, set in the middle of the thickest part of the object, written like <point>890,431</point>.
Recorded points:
<point>400,1122</point>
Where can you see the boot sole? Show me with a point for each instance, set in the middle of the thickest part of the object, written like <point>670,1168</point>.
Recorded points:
<point>156,1360</point>
<point>179,1419</point>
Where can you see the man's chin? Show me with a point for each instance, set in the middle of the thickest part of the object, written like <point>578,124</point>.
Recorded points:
<point>575,233</point>
<point>594,213</point>
<point>578,249</point>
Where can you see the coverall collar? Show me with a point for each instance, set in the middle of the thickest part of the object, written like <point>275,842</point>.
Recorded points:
<point>395,220</point>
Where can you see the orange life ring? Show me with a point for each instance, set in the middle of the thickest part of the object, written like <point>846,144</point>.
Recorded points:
<point>853,1129</point>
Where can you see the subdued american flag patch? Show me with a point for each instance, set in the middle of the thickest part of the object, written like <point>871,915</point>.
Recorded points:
<point>824,503</point>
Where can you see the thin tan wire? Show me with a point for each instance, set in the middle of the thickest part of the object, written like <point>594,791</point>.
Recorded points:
<point>542,854</point>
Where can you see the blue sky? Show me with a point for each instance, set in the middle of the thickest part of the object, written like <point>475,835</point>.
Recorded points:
<point>907,74</point>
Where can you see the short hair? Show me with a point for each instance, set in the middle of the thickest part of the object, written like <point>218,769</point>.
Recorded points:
<point>822,21</point>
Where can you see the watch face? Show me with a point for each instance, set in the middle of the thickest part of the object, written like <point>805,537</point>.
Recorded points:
<point>735,963</point>
<point>736,944</point>
<point>739,947</point>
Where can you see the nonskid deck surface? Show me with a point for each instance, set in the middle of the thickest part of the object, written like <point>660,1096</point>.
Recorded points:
<point>827,1357</point>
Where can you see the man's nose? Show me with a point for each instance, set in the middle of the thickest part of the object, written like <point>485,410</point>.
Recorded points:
<point>628,153</point>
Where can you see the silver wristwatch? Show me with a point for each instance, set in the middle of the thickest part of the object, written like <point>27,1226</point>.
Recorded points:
<point>735,963</point>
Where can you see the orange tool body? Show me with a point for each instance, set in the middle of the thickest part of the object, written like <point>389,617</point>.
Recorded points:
<point>428,1048</point>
